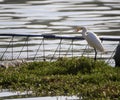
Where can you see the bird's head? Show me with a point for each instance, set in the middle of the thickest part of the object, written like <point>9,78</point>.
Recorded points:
<point>78,28</point>
<point>84,30</point>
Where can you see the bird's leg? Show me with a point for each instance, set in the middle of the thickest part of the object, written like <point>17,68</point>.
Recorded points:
<point>85,49</point>
<point>95,54</point>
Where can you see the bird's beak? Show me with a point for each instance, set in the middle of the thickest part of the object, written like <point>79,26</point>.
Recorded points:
<point>77,29</point>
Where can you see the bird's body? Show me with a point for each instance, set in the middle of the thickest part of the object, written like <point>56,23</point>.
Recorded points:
<point>92,39</point>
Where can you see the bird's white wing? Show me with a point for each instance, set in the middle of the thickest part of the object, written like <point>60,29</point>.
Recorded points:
<point>94,41</point>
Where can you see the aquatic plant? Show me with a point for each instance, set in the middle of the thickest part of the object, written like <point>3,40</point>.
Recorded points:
<point>66,76</point>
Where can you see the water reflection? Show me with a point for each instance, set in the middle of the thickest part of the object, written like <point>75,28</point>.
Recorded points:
<point>59,17</point>
<point>100,16</point>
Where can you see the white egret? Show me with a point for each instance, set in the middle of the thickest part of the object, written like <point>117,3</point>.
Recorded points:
<point>92,39</point>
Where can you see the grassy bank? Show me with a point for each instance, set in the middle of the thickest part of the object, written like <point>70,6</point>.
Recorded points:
<point>66,76</point>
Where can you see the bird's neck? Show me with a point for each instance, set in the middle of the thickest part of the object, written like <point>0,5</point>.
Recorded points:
<point>84,31</point>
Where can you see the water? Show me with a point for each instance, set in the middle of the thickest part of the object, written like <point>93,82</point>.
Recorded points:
<point>59,17</point>
<point>16,96</point>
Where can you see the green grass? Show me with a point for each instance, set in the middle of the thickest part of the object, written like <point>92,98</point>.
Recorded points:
<point>66,76</point>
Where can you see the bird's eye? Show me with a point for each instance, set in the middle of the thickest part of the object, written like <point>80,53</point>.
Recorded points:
<point>78,28</point>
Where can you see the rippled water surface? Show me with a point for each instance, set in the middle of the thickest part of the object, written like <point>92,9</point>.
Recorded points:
<point>59,17</point>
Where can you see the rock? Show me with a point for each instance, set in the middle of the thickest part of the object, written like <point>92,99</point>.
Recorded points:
<point>2,65</point>
<point>13,63</point>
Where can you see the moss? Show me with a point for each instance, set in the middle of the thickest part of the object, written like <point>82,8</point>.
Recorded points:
<point>66,76</point>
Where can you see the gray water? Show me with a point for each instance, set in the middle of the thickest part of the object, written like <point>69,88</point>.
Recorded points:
<point>59,17</point>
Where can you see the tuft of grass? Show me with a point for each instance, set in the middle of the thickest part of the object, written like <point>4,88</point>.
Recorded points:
<point>66,76</point>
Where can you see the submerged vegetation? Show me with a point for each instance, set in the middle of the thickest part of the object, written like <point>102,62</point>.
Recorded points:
<point>66,76</point>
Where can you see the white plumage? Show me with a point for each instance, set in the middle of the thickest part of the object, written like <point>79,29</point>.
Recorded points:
<point>92,39</point>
